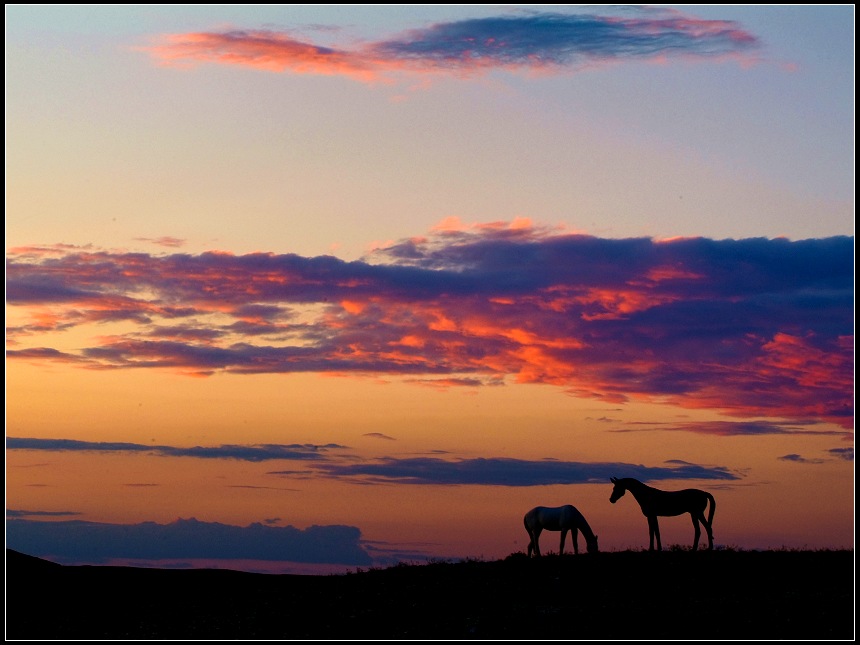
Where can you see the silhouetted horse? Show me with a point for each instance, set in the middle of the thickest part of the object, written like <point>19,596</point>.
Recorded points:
<point>562,518</point>
<point>654,502</point>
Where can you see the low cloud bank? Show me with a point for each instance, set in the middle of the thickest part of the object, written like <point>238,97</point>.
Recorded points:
<point>185,539</point>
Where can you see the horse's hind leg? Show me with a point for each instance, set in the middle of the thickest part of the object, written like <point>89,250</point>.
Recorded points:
<point>561,545</point>
<point>700,519</point>
<point>532,548</point>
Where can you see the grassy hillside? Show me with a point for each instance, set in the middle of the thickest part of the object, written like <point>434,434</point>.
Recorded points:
<point>683,595</point>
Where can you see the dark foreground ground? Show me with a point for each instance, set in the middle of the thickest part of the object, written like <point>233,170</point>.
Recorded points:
<point>683,595</point>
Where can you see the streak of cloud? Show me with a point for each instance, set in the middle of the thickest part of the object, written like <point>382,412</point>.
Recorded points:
<point>20,513</point>
<point>253,453</point>
<point>532,41</point>
<point>447,383</point>
<point>751,328</point>
<point>507,472</point>
<point>94,542</point>
<point>731,428</point>
<point>842,453</point>
<point>249,487</point>
<point>166,241</point>
<point>799,459</point>
<point>422,470</point>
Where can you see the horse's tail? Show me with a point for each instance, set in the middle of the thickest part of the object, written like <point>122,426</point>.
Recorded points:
<point>713,508</point>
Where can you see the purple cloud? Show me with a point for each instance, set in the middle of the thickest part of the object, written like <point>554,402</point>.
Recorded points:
<point>507,472</point>
<point>843,453</point>
<point>328,461</point>
<point>752,328</point>
<point>800,459</point>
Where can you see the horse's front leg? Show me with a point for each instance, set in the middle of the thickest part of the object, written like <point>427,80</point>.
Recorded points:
<point>653,532</point>
<point>561,546</point>
<point>574,536</point>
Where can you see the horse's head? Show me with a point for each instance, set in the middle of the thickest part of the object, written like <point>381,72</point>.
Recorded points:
<point>591,545</point>
<point>618,490</point>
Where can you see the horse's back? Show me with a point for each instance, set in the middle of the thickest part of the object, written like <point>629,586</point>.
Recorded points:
<point>696,495</point>
<point>554,518</point>
<point>570,515</point>
<point>678,502</point>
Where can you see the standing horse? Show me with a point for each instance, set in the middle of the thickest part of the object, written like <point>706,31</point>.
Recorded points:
<point>563,518</point>
<point>654,502</point>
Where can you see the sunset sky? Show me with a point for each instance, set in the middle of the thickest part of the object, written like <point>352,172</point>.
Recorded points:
<point>307,289</point>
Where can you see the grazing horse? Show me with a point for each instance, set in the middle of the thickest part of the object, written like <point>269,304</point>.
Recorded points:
<point>654,502</point>
<point>563,518</point>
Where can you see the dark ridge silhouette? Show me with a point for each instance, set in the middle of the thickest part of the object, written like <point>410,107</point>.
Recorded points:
<point>19,561</point>
<point>655,502</point>
<point>748,595</point>
<point>560,518</point>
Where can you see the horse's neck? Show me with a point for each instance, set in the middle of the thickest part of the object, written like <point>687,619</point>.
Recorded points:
<point>578,521</point>
<point>586,530</point>
<point>639,490</point>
